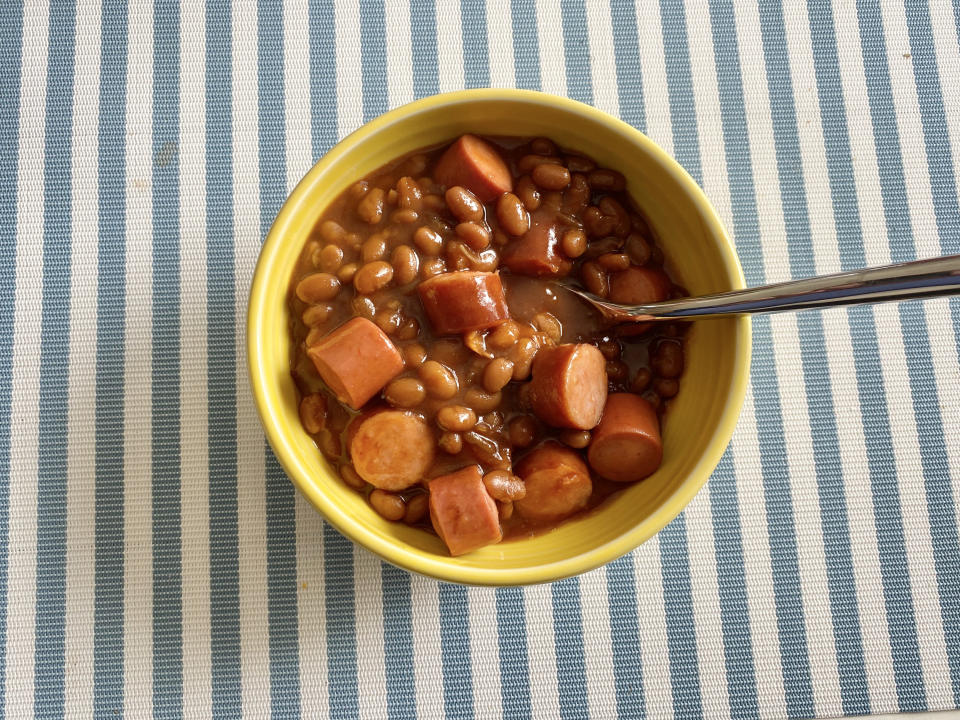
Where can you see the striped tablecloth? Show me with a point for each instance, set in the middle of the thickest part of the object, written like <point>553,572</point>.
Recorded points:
<point>155,560</point>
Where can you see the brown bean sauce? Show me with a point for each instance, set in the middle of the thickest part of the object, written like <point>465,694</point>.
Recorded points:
<point>400,225</point>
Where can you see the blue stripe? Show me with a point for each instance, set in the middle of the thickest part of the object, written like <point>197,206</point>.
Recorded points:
<point>476,60</point>
<point>625,638</point>
<point>341,634</point>
<point>323,77</point>
<point>398,643</point>
<point>568,638</point>
<point>512,647</point>
<point>834,519</point>
<point>526,45</point>
<point>626,54</point>
<point>281,522</point>
<point>108,607</point>
<point>423,37</point>
<point>887,515</point>
<point>732,590</point>
<point>54,368</point>
<point>165,380</point>
<point>223,521</point>
<point>576,50</point>
<point>683,118</point>
<point>11,47</point>
<point>943,186</point>
<point>455,648</point>
<point>373,58</point>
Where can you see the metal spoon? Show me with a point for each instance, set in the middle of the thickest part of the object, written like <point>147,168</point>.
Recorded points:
<point>904,281</point>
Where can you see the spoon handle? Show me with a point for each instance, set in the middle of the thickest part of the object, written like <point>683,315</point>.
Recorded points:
<point>904,281</point>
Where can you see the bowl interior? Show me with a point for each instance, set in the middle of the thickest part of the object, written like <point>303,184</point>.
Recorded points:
<point>697,426</point>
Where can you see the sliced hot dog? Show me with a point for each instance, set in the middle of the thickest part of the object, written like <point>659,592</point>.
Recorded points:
<point>557,481</point>
<point>639,285</point>
<point>356,360</point>
<point>537,251</point>
<point>569,386</point>
<point>626,445</point>
<point>461,301</point>
<point>462,512</point>
<point>477,166</point>
<point>392,449</point>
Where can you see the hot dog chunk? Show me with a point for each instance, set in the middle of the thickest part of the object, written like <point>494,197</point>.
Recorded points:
<point>537,252</point>
<point>356,360</point>
<point>569,386</point>
<point>557,481</point>
<point>626,445</point>
<point>639,285</point>
<point>457,302</point>
<point>392,449</point>
<point>477,166</point>
<point>462,513</point>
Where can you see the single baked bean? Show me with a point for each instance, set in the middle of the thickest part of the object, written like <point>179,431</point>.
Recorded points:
<point>599,225</point>
<point>543,146</point>
<point>529,162</point>
<point>417,507</point>
<point>503,335</point>
<point>316,315</point>
<point>315,335</point>
<point>358,189</point>
<point>451,443</point>
<point>414,355</point>
<point>392,196</point>
<point>548,324</point>
<point>609,244</point>
<point>638,248</point>
<point>497,374</point>
<point>389,320</point>
<point>439,380</point>
<point>411,196</point>
<point>389,505</point>
<point>372,277</point>
<point>313,413</point>
<point>522,430</point>
<point>370,207</point>
<point>409,329</point>
<point>474,234</point>
<point>463,204</point>
<point>332,232</point>
<point>481,400</point>
<point>580,164</point>
<point>493,420</point>
<point>351,478</point>
<point>641,380</point>
<point>374,248</point>
<point>428,240</point>
<point>551,177</point>
<point>405,216</point>
<point>667,361</point>
<point>606,180</point>
<point>573,243</point>
<point>617,371</point>
<point>329,258</point>
<point>528,193</point>
<point>487,451</point>
<point>329,444</point>
<point>346,272</point>
<point>363,307</point>
<point>666,387</point>
<point>456,418</point>
<point>610,349</point>
<point>504,486</point>
<point>431,267</point>
<point>522,355</point>
<point>611,208</point>
<point>449,352</point>
<point>577,196</point>
<point>614,261</point>
<point>595,279</point>
<point>487,260</point>
<point>406,264</point>
<point>504,510</point>
<point>577,439</point>
<point>318,287</point>
<point>405,392</point>
<point>512,215</point>
<point>651,397</point>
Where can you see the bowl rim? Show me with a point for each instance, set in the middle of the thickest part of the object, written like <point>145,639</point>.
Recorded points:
<point>444,567</point>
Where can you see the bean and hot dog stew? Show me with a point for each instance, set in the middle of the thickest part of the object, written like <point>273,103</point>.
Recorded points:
<point>441,367</point>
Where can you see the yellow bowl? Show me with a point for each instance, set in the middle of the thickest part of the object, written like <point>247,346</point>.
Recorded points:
<point>698,425</point>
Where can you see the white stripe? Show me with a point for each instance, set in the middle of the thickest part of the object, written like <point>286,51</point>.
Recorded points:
<point>906,450</point>
<point>553,74</point>
<point>194,482</point>
<point>81,422</point>
<point>947,49</point>
<point>427,652</point>
<point>399,53</point>
<point>597,646</point>
<point>296,89</point>
<point>251,496</point>
<point>138,423</point>
<point>368,599</point>
<point>541,651</point>
<point>603,64</point>
<point>349,83</point>
<point>500,45</point>
<point>485,653</point>
<point>449,47</point>
<point>656,99</point>
<point>652,628</point>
